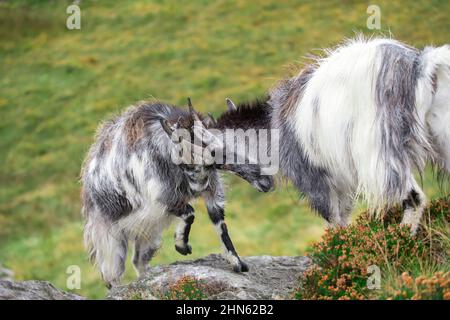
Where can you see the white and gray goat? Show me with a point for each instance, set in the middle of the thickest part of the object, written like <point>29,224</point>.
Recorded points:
<point>359,122</point>
<point>133,189</point>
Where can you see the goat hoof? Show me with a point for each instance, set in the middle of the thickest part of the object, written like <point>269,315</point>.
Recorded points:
<point>111,284</point>
<point>241,267</point>
<point>187,249</point>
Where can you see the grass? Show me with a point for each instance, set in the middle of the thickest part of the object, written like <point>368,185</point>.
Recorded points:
<point>56,85</point>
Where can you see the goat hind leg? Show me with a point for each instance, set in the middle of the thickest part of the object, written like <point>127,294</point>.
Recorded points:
<point>111,257</point>
<point>107,248</point>
<point>413,206</point>
<point>144,250</point>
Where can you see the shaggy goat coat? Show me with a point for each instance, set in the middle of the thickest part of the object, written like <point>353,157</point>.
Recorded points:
<point>359,121</point>
<point>132,191</point>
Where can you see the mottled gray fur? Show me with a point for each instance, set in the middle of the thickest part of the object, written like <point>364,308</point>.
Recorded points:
<point>403,146</point>
<point>405,142</point>
<point>309,179</point>
<point>132,190</point>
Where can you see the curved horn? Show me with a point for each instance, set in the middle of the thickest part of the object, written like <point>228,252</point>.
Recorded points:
<point>178,124</point>
<point>230,104</point>
<point>192,111</point>
<point>190,103</point>
<point>213,121</point>
<point>166,127</point>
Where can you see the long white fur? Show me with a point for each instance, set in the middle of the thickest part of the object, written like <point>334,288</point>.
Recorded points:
<point>146,224</point>
<point>344,84</point>
<point>438,115</point>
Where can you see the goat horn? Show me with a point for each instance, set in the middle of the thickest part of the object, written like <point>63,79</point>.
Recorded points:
<point>212,118</point>
<point>230,104</point>
<point>166,127</point>
<point>192,111</point>
<point>190,103</point>
<point>178,124</point>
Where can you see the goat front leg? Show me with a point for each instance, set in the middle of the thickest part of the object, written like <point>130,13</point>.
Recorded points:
<point>186,214</point>
<point>215,203</point>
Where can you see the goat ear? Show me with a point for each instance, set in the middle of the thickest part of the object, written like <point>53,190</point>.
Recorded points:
<point>230,104</point>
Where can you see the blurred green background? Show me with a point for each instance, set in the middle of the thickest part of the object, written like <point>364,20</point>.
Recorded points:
<point>56,85</point>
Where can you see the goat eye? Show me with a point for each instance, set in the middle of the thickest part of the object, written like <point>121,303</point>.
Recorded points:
<point>213,153</point>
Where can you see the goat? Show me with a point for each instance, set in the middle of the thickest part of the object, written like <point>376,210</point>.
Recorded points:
<point>132,189</point>
<point>358,122</point>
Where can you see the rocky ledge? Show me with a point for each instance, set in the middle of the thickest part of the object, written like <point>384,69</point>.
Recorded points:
<point>33,290</point>
<point>269,278</point>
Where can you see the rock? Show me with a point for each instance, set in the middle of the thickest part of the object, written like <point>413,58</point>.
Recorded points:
<point>33,290</point>
<point>6,274</point>
<point>269,278</point>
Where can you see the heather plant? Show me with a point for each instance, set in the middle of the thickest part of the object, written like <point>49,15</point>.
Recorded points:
<point>186,288</point>
<point>435,287</point>
<point>341,259</point>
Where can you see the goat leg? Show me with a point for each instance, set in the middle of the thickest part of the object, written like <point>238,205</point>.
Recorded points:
<point>215,206</point>
<point>186,214</point>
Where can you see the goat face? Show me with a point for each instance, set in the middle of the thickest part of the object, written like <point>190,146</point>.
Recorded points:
<point>238,149</point>
<point>194,145</point>
<point>200,148</point>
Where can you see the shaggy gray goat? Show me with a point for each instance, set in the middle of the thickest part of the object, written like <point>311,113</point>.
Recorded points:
<point>359,122</point>
<point>133,189</point>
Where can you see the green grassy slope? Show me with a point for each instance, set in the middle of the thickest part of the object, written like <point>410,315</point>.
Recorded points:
<point>56,85</point>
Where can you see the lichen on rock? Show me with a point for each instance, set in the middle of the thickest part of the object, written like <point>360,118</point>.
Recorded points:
<point>269,278</point>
